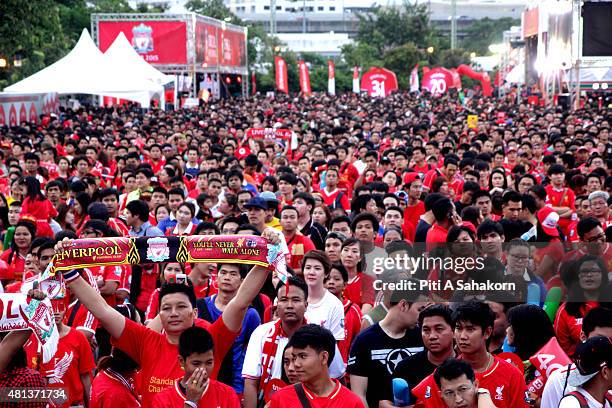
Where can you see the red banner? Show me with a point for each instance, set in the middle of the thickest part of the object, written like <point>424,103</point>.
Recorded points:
<point>158,42</point>
<point>438,80</point>
<point>207,54</point>
<point>24,108</point>
<point>282,84</point>
<point>253,84</point>
<point>304,78</point>
<point>268,133</point>
<point>379,82</point>
<point>356,79</point>
<point>232,48</point>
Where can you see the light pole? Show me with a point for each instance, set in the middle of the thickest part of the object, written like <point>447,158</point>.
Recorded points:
<point>303,16</point>
<point>453,24</point>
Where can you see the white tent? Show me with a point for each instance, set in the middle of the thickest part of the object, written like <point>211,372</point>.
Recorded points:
<point>121,53</point>
<point>85,70</point>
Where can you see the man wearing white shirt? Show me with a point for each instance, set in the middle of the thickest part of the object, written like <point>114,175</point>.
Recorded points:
<point>264,356</point>
<point>597,322</point>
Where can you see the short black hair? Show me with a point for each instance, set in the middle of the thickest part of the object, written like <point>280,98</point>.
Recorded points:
<point>293,281</point>
<point>597,317</point>
<point>442,208</point>
<point>248,227</point>
<point>139,208</point>
<point>587,224</point>
<point>340,268</point>
<point>452,369</point>
<point>477,313</point>
<point>306,197</point>
<point>437,310</point>
<point>365,216</point>
<point>318,256</point>
<point>488,227</point>
<point>105,192</point>
<point>194,340</point>
<point>206,225</point>
<point>316,337</point>
<point>337,220</point>
<point>169,288</point>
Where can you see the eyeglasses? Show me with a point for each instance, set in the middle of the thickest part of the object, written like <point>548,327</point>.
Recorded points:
<point>591,272</point>
<point>522,258</point>
<point>462,390</point>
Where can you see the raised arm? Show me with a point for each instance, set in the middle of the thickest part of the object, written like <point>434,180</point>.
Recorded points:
<point>111,320</point>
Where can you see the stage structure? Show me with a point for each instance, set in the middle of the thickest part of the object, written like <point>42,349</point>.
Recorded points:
<point>205,54</point>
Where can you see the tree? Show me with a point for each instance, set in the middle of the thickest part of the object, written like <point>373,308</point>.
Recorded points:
<point>214,9</point>
<point>453,58</point>
<point>484,32</point>
<point>401,60</point>
<point>32,30</point>
<point>361,54</point>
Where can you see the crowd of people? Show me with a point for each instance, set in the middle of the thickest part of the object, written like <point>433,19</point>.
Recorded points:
<point>509,219</point>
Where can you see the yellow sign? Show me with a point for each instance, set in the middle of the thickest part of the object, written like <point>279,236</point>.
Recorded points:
<point>472,121</point>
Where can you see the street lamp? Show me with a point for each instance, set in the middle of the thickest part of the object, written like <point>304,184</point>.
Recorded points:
<point>472,55</point>
<point>3,62</point>
<point>277,49</point>
<point>430,50</point>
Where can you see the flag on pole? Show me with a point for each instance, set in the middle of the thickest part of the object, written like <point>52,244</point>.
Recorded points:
<point>304,78</point>
<point>282,84</point>
<point>253,84</point>
<point>414,79</point>
<point>356,79</point>
<point>331,78</point>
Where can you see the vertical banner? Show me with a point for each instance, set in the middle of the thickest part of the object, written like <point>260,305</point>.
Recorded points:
<point>304,78</point>
<point>282,85</point>
<point>331,78</point>
<point>356,80</point>
<point>414,79</point>
<point>253,84</point>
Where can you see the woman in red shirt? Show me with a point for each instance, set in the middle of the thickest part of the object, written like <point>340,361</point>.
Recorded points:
<point>184,214</point>
<point>34,202</point>
<point>25,231</point>
<point>587,283</point>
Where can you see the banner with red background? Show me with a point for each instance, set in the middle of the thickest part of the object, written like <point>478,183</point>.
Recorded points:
<point>379,82</point>
<point>207,50</point>
<point>16,108</point>
<point>232,48</point>
<point>158,42</point>
<point>280,68</point>
<point>304,78</point>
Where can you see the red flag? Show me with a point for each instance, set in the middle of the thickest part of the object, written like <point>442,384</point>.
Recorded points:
<point>253,84</point>
<point>414,79</point>
<point>304,78</point>
<point>282,83</point>
<point>331,78</point>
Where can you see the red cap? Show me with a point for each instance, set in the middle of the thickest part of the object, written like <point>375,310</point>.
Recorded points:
<point>548,219</point>
<point>410,177</point>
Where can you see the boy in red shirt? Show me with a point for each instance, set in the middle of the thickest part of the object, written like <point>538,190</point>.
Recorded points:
<point>299,245</point>
<point>562,199</point>
<point>71,366</point>
<point>473,327</point>
<point>313,351</point>
<point>156,353</point>
<point>196,388</point>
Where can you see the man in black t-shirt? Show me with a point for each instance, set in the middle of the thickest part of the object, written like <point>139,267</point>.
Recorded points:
<point>437,328</point>
<point>378,349</point>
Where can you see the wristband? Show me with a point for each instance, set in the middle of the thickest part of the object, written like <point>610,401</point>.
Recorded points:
<point>71,275</point>
<point>191,404</point>
<point>481,391</point>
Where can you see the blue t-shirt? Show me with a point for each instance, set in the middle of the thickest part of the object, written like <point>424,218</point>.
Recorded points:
<point>249,324</point>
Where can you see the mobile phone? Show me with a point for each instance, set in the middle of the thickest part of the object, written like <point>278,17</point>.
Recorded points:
<point>181,278</point>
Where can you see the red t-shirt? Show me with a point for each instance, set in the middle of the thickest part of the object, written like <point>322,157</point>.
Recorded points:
<point>39,209</point>
<point>330,198</point>
<point>435,237</point>
<point>352,327</point>
<point>83,319</point>
<point>412,213</point>
<point>216,395</point>
<point>299,246</point>
<point>561,198</point>
<point>360,290</point>
<point>110,391</point>
<point>340,397</point>
<point>72,359</point>
<point>568,327</point>
<point>110,273</point>
<point>158,358</point>
<point>15,268</point>
<point>503,380</point>
<point>148,283</point>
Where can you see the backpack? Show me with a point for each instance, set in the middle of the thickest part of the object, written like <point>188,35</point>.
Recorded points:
<point>583,401</point>
<point>337,203</point>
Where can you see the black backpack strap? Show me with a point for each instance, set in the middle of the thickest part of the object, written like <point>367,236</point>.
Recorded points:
<point>299,390</point>
<point>75,309</point>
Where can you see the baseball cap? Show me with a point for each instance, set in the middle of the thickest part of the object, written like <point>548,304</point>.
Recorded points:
<point>591,356</point>
<point>548,219</point>
<point>257,202</point>
<point>269,197</point>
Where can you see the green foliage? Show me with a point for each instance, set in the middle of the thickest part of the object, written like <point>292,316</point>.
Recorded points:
<point>212,8</point>
<point>452,58</point>
<point>485,32</point>
<point>401,60</point>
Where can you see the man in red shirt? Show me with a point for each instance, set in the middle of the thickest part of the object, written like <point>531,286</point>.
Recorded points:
<point>473,326</point>
<point>445,216</point>
<point>154,351</point>
<point>415,207</point>
<point>298,244</point>
<point>459,386</point>
<point>560,198</point>
<point>332,196</point>
<point>196,388</point>
<point>313,349</point>
<point>449,171</point>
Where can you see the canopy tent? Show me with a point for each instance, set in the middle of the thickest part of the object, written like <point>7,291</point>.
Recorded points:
<point>85,70</point>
